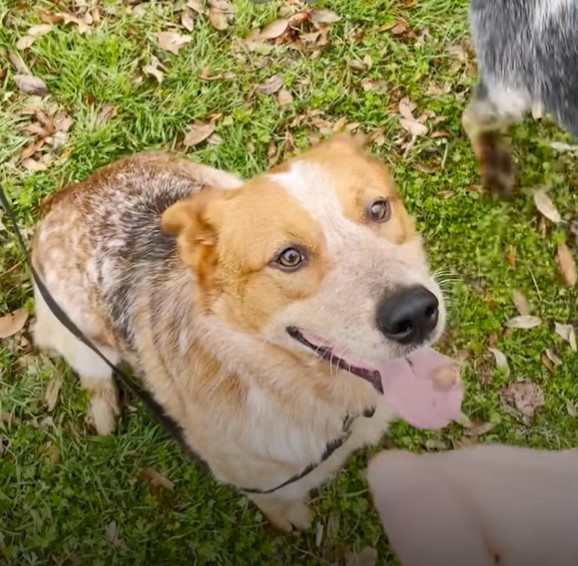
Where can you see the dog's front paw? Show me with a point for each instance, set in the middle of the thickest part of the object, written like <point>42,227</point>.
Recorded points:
<point>285,515</point>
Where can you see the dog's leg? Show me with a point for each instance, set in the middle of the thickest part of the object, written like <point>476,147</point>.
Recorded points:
<point>284,514</point>
<point>49,334</point>
<point>486,123</point>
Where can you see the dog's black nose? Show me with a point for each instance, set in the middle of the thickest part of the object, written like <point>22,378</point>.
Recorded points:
<point>408,316</point>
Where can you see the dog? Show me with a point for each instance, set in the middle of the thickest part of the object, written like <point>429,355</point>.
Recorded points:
<point>527,56</point>
<point>282,322</point>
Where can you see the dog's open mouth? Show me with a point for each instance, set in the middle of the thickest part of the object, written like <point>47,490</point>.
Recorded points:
<point>328,354</point>
<point>424,387</point>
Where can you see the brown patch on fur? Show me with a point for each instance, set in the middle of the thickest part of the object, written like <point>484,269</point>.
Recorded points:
<point>231,240</point>
<point>359,179</point>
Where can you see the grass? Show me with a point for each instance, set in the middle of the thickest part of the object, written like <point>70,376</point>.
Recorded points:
<point>61,488</point>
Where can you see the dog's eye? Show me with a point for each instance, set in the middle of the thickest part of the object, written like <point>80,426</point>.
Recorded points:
<point>290,259</point>
<point>379,211</point>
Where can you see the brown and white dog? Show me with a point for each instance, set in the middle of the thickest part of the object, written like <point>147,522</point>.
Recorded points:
<point>282,322</point>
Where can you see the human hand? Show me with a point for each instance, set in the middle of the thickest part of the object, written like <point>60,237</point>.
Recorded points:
<point>479,506</point>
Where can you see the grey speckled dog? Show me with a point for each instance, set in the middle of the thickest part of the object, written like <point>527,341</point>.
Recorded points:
<point>527,56</point>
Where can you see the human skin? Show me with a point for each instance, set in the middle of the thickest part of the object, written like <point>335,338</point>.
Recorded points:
<point>479,506</point>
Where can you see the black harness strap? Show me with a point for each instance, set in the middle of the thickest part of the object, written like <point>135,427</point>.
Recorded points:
<point>171,427</point>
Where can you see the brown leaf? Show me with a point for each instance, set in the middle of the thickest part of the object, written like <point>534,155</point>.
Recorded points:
<point>479,429</point>
<point>379,85</point>
<point>547,363</point>
<point>172,41</point>
<point>567,265</point>
<point>399,27</point>
<point>51,393</point>
<point>112,534</point>
<point>154,479</point>
<point>522,400</point>
<point>197,133</point>
<point>221,14</point>
<point>270,86</point>
<point>40,30</point>
<point>30,149</point>
<point>155,69</point>
<point>521,303</point>
<point>33,165</point>
<point>29,84</point>
<point>501,360</point>
<point>25,42</point>
<point>187,21</point>
<point>366,557</point>
<point>324,16</point>
<point>567,332</point>
<point>274,29</point>
<point>284,97</point>
<point>13,323</point>
<point>195,5</point>
<point>556,361</point>
<point>545,205</point>
<point>413,127</point>
<point>106,112</point>
<point>63,122</point>
<point>525,322</point>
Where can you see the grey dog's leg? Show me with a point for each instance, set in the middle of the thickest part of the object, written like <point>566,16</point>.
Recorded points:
<point>486,126</point>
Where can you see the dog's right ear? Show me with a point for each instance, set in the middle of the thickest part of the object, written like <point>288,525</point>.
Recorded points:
<point>196,223</point>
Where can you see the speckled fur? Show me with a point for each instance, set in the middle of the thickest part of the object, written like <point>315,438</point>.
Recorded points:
<point>527,56</point>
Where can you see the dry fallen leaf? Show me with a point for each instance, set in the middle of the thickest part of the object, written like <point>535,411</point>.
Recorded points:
<point>112,534</point>
<point>155,69</point>
<point>366,557</point>
<point>275,29</point>
<point>33,165</point>
<point>154,479</point>
<point>556,361</point>
<point>105,113</point>
<point>39,30</point>
<point>25,42</point>
<point>195,5</point>
<point>501,360</point>
<point>187,21</point>
<point>51,393</point>
<point>407,120</point>
<point>13,323</point>
<point>324,16</point>
<point>172,41</point>
<point>197,133</point>
<point>221,14</point>
<point>521,303</point>
<point>567,265</point>
<point>545,205</point>
<point>270,86</point>
<point>522,400</point>
<point>284,97</point>
<point>29,84</point>
<point>524,321</point>
<point>567,332</point>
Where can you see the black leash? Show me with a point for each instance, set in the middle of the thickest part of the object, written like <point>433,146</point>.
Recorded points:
<point>171,427</point>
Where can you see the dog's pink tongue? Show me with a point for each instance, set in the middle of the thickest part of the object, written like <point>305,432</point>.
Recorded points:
<point>409,386</point>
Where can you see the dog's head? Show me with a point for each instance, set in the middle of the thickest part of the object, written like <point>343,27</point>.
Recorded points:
<point>318,256</point>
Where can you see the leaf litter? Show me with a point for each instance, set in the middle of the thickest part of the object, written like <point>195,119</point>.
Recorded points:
<point>522,400</point>
<point>524,322</point>
<point>567,332</point>
<point>13,323</point>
